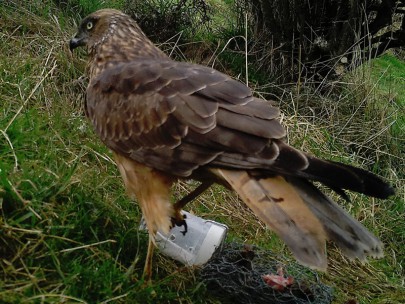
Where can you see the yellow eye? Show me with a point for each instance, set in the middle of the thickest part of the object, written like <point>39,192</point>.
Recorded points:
<point>89,25</point>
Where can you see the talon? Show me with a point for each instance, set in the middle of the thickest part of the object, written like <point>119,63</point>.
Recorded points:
<point>180,222</point>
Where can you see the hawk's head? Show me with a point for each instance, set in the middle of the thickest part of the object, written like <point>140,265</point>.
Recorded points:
<point>96,28</point>
<point>117,32</point>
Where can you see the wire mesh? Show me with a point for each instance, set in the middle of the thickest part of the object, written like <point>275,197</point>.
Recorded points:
<point>237,274</point>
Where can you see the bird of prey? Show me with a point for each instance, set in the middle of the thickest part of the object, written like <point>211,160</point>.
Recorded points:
<point>166,121</point>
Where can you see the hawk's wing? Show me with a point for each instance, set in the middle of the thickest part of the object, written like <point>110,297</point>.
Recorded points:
<point>176,117</point>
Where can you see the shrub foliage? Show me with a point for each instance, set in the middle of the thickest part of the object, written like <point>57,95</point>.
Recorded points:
<point>320,37</point>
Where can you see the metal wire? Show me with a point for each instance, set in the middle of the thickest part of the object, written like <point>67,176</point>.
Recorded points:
<point>235,275</point>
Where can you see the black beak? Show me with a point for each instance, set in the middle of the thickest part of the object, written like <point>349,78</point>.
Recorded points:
<point>76,42</point>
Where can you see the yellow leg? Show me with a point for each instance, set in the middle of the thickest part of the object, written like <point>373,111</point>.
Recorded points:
<point>147,271</point>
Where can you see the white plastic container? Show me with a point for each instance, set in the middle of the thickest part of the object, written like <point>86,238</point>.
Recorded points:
<point>197,246</point>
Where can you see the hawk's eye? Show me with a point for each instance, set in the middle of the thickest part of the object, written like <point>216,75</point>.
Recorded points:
<point>89,25</point>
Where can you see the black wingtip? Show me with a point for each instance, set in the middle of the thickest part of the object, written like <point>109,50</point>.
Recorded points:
<point>384,191</point>
<point>373,185</point>
<point>341,176</point>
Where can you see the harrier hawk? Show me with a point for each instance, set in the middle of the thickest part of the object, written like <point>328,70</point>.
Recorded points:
<point>167,120</point>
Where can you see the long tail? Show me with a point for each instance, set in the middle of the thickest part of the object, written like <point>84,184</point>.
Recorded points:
<point>335,175</point>
<point>303,217</point>
<point>352,237</point>
<point>341,176</point>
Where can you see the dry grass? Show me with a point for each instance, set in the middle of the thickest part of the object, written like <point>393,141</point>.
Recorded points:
<point>68,233</point>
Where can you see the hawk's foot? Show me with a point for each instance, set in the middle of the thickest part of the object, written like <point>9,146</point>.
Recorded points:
<point>179,220</point>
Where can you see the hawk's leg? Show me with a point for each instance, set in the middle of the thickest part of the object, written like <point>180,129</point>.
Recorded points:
<point>192,195</point>
<point>152,188</point>
<point>179,219</point>
<point>147,271</point>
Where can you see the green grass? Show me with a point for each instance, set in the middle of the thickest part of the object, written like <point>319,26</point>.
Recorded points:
<point>388,73</point>
<point>68,232</point>
<point>388,70</point>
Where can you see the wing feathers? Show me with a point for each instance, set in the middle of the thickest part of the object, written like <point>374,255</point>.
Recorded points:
<point>289,160</point>
<point>257,108</point>
<point>201,107</point>
<point>259,127</point>
<point>142,101</point>
<point>229,91</point>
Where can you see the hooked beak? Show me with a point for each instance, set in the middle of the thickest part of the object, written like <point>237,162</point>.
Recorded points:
<point>76,42</point>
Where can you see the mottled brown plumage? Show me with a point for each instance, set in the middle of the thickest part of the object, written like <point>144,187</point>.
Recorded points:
<point>167,120</point>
